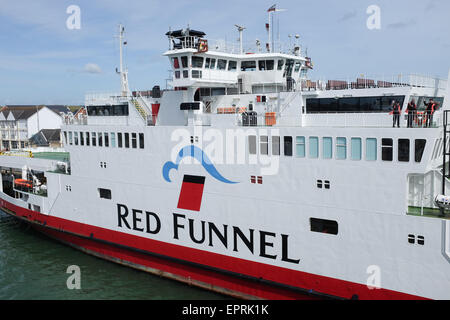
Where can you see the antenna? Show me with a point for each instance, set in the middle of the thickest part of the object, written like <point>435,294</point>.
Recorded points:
<point>240,29</point>
<point>123,73</point>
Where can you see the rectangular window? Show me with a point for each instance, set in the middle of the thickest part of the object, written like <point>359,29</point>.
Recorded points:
<point>275,145</point>
<point>141,140</point>
<point>280,64</point>
<point>371,149</point>
<point>81,139</point>
<point>356,148</point>
<point>213,64</point>
<point>88,141</point>
<point>324,226</point>
<point>313,147</point>
<point>264,145</point>
<point>106,139</point>
<point>175,63</point>
<point>196,74</point>
<point>252,144</point>
<point>288,146</point>
<point>70,137</point>
<point>127,140</point>
<point>134,140</point>
<point>113,139</point>
<point>76,138</point>
<point>270,64</point>
<point>262,65</point>
<point>197,62</point>
<point>185,73</point>
<point>341,148</point>
<point>184,62</point>
<point>100,139</point>
<point>232,65</point>
<point>300,151</point>
<point>104,193</point>
<point>386,149</point>
<point>119,139</point>
<point>177,74</point>
<point>221,64</point>
<point>403,150</point>
<point>419,149</point>
<point>327,147</point>
<point>207,61</point>
<point>94,139</point>
<point>248,65</point>
<point>65,138</point>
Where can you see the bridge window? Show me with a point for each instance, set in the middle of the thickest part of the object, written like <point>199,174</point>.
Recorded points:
<point>280,64</point>
<point>75,134</point>
<point>341,148</point>
<point>70,137</point>
<point>248,65</point>
<point>221,64</point>
<point>313,147</point>
<point>356,148</point>
<point>210,63</point>
<point>94,139</point>
<point>232,65</point>
<point>371,149</point>
<point>176,64</point>
<point>81,139</point>
<point>184,62</point>
<point>403,150</point>
<point>327,147</point>
<point>300,147</point>
<point>419,149</point>
<point>197,62</point>
<point>386,149</point>
<point>298,64</point>
<point>88,139</point>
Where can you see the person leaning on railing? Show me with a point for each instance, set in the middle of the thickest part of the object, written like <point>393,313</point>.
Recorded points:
<point>412,113</point>
<point>431,107</point>
<point>396,110</point>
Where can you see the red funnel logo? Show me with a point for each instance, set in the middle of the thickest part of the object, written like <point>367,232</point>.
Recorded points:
<point>191,193</point>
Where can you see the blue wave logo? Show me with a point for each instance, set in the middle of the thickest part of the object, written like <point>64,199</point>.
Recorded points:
<point>200,156</point>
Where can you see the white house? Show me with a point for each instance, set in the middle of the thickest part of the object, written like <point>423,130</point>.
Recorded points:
<point>19,123</point>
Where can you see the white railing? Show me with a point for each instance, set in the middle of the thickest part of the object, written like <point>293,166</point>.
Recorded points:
<point>375,81</point>
<point>108,98</point>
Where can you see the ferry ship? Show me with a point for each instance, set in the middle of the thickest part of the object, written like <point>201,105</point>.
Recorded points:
<point>249,179</point>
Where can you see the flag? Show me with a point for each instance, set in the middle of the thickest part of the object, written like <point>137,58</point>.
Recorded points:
<point>272,8</point>
<point>191,193</point>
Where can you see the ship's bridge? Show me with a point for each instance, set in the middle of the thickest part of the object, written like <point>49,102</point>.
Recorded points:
<point>197,63</point>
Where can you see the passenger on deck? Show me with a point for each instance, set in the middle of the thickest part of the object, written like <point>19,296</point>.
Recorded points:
<point>429,112</point>
<point>396,108</point>
<point>412,113</point>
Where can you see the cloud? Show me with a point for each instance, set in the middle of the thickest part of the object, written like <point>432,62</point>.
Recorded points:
<point>348,16</point>
<point>92,68</point>
<point>400,25</point>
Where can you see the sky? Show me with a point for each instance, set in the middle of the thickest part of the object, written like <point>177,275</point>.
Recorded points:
<point>42,61</point>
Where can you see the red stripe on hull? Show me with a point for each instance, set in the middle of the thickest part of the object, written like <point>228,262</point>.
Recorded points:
<point>228,275</point>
